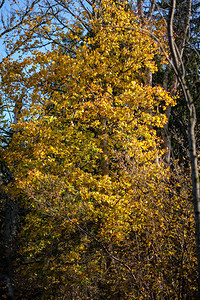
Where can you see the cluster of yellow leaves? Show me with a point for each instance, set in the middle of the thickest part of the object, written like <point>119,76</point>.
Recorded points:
<point>80,113</point>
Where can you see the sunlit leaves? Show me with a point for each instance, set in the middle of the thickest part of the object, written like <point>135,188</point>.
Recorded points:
<point>85,155</point>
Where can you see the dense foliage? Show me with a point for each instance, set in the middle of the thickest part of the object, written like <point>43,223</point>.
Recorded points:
<point>102,214</point>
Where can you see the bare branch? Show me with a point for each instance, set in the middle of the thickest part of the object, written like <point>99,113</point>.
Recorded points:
<point>20,22</point>
<point>151,10</point>
<point>2,3</point>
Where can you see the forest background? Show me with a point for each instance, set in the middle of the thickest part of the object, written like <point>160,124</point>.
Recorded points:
<point>99,156</point>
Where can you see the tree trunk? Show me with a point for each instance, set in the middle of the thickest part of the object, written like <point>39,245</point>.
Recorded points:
<point>180,73</point>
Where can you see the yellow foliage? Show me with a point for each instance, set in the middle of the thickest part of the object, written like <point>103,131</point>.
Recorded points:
<point>84,155</point>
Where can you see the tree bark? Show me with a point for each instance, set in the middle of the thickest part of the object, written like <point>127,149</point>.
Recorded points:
<point>140,8</point>
<point>180,73</point>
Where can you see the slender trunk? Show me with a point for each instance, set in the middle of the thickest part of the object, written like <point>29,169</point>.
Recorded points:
<point>140,8</point>
<point>179,69</point>
<point>195,173</point>
<point>165,134</point>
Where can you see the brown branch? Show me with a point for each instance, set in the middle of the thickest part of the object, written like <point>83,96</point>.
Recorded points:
<point>24,14</point>
<point>151,10</point>
<point>2,3</point>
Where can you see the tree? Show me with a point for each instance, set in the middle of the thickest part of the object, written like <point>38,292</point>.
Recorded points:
<point>180,73</point>
<point>12,19</point>
<point>102,216</point>
<point>182,38</point>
